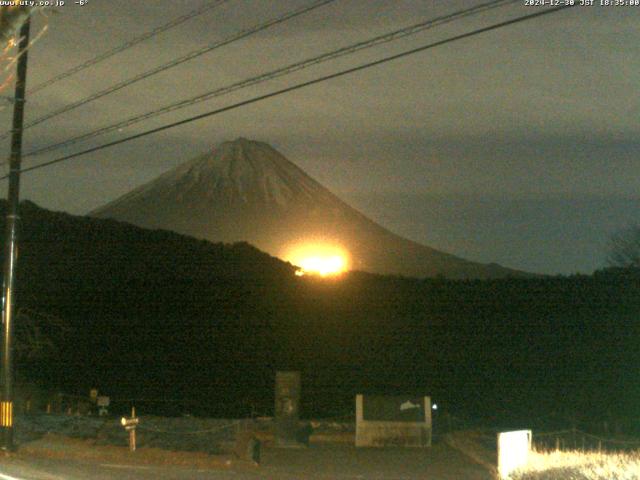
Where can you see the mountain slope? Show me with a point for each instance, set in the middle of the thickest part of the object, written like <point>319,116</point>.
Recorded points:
<point>154,315</point>
<point>247,191</point>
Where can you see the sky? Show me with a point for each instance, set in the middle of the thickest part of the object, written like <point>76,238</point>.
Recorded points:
<point>518,146</point>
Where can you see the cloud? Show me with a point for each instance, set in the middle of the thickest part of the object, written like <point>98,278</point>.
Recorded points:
<point>546,105</point>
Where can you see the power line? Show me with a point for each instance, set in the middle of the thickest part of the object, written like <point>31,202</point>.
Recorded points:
<point>299,86</point>
<point>189,56</point>
<point>380,39</point>
<point>120,48</point>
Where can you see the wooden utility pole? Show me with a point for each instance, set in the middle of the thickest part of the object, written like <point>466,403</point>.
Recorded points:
<point>11,244</point>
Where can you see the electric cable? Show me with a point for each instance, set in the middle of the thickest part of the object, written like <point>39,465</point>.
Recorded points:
<point>189,56</point>
<point>291,68</point>
<point>125,46</point>
<point>300,85</point>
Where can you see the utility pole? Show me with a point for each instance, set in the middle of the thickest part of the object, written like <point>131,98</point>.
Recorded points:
<point>11,243</point>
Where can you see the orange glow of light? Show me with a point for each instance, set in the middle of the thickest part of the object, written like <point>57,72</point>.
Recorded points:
<point>321,259</point>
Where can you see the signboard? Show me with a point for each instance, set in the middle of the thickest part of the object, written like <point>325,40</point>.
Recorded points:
<point>393,409</point>
<point>393,420</point>
<point>103,402</point>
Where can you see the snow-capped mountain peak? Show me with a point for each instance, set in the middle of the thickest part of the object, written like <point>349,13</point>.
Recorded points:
<point>245,190</point>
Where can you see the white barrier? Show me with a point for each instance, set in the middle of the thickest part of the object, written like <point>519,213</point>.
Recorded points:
<point>513,451</point>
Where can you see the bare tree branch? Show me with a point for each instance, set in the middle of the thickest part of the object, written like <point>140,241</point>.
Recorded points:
<point>11,18</point>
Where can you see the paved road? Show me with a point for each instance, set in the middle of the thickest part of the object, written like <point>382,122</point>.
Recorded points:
<point>319,462</point>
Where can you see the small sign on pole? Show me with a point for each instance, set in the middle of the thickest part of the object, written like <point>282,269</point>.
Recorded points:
<point>103,402</point>
<point>130,425</point>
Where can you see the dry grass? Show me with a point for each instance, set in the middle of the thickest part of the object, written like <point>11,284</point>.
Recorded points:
<point>578,465</point>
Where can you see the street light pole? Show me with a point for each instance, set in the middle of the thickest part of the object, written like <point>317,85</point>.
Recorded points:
<point>11,243</point>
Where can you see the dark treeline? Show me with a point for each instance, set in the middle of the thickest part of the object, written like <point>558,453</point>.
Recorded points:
<point>157,315</point>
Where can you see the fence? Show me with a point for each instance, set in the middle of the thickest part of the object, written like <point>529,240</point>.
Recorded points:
<point>575,439</point>
<point>553,431</point>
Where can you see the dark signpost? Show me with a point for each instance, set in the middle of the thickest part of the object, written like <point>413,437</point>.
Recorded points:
<point>287,411</point>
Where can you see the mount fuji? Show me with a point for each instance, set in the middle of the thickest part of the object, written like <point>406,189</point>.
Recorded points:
<point>245,190</point>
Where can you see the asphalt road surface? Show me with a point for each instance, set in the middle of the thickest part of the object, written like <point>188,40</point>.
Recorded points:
<point>440,462</point>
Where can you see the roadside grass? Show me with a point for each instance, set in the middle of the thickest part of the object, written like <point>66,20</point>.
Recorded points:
<point>580,465</point>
